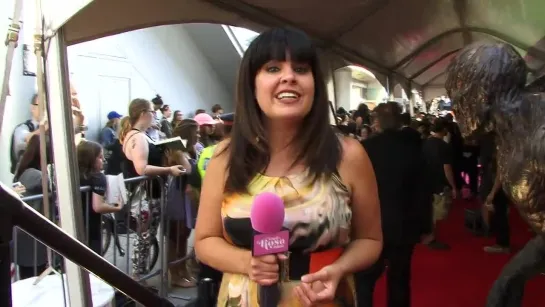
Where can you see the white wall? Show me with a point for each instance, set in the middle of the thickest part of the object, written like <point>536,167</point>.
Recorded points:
<point>109,72</point>
<point>105,81</point>
<point>176,68</point>
<point>220,53</point>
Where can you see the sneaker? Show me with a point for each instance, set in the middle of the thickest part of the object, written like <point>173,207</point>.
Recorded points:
<point>496,249</point>
<point>438,245</point>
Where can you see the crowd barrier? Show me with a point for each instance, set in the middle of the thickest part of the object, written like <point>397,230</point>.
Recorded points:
<point>142,224</point>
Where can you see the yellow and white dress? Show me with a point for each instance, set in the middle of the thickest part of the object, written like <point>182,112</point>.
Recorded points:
<point>318,216</point>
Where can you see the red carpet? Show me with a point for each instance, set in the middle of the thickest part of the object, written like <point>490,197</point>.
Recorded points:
<point>462,276</point>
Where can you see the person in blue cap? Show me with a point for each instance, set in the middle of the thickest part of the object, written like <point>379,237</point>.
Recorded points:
<point>108,134</point>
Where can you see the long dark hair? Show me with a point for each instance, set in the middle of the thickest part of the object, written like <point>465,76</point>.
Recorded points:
<point>316,143</point>
<point>31,156</point>
<point>88,153</point>
<point>187,129</point>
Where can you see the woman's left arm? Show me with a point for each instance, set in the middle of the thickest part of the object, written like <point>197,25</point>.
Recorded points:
<point>357,172</point>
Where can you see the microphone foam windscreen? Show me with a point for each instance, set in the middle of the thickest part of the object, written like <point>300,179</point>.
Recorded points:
<point>267,213</point>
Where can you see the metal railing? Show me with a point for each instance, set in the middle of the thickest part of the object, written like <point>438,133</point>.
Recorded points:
<point>15,212</point>
<point>114,233</point>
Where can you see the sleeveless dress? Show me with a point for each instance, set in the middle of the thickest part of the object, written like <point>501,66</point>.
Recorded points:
<point>146,215</point>
<point>318,217</point>
<point>155,158</point>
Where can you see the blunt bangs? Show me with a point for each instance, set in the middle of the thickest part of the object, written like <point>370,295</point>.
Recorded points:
<point>279,44</point>
<point>248,149</point>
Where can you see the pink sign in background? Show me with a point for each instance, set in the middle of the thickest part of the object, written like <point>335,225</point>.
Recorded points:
<point>271,243</point>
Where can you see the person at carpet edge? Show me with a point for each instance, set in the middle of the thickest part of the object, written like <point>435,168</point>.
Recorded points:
<point>440,178</point>
<point>456,145</point>
<point>404,204</point>
<point>486,82</point>
<point>495,202</point>
<point>282,142</point>
<point>205,271</point>
<point>408,131</point>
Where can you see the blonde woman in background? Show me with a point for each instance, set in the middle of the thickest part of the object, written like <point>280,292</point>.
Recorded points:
<point>77,115</point>
<point>108,135</point>
<point>143,158</point>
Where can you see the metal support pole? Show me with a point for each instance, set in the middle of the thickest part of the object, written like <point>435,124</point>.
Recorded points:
<point>424,106</point>
<point>412,101</point>
<point>42,114</point>
<point>64,149</point>
<point>388,91</point>
<point>12,39</point>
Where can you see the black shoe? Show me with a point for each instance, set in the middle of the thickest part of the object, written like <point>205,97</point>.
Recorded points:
<point>497,249</point>
<point>438,245</point>
<point>207,293</point>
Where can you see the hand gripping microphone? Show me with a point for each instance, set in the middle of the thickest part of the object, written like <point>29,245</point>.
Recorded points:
<point>267,216</point>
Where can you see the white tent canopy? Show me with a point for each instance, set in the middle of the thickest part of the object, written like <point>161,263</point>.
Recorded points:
<point>406,42</point>
<point>410,42</point>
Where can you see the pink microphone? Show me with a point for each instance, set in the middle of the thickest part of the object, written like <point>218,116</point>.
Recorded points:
<point>267,216</point>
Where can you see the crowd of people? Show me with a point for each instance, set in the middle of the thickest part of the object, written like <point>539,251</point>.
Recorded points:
<point>125,146</point>
<point>421,164</point>
<point>358,197</point>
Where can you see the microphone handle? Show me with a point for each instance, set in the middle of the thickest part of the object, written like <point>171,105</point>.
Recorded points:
<point>269,296</point>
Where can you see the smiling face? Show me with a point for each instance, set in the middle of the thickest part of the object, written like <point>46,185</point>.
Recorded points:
<point>280,84</point>
<point>284,89</point>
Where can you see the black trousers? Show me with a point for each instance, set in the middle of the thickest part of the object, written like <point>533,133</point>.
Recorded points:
<point>508,289</point>
<point>207,291</point>
<point>500,219</point>
<point>398,260</point>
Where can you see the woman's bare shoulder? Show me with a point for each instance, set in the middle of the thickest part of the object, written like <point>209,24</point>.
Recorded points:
<point>351,149</point>
<point>222,151</point>
<point>354,162</point>
<point>135,134</point>
<point>133,139</point>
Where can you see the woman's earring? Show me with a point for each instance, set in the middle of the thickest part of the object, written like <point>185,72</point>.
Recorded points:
<point>257,139</point>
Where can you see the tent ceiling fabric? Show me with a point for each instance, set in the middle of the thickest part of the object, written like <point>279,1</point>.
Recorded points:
<point>411,41</point>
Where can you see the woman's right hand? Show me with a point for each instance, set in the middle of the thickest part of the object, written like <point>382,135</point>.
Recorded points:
<point>19,189</point>
<point>264,270</point>
<point>120,204</point>
<point>177,170</point>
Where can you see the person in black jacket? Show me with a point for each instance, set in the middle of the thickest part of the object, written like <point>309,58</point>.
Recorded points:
<point>409,132</point>
<point>457,149</point>
<point>398,162</point>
